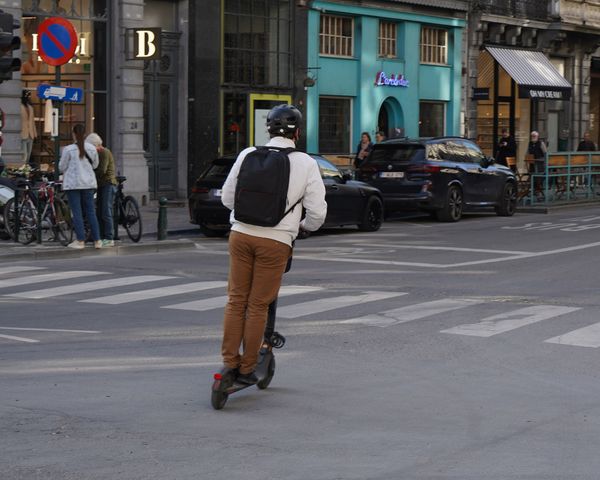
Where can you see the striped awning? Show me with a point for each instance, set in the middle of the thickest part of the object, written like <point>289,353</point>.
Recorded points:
<point>533,72</point>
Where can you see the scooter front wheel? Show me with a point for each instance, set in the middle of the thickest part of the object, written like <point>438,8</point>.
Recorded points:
<point>264,382</point>
<point>218,399</point>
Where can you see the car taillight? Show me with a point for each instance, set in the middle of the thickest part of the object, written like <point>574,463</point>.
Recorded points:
<point>426,169</point>
<point>199,190</point>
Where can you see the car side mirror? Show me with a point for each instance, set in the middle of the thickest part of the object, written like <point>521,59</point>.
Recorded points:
<point>346,177</point>
<point>487,161</point>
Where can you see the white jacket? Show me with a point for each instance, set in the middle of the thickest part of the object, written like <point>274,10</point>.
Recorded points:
<point>78,173</point>
<point>305,183</point>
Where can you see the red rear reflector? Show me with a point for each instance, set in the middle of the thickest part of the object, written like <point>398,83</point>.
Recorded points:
<point>199,190</point>
<point>218,376</point>
<point>432,168</point>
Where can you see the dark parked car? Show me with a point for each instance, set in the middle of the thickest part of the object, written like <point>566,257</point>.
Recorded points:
<point>443,176</point>
<point>348,202</point>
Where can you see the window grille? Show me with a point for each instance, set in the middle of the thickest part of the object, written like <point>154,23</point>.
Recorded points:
<point>434,46</point>
<point>336,36</point>
<point>387,39</point>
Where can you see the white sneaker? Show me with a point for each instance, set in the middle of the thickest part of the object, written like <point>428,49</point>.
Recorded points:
<point>98,244</point>
<point>108,243</point>
<point>76,244</point>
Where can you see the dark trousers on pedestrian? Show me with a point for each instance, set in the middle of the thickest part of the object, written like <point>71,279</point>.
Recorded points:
<point>106,197</point>
<point>256,266</point>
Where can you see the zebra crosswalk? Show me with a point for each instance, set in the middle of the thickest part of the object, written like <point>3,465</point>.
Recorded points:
<point>296,302</point>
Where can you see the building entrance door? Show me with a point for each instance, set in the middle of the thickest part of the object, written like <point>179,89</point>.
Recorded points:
<point>160,120</point>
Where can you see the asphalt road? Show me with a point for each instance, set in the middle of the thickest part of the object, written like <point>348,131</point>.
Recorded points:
<point>423,351</point>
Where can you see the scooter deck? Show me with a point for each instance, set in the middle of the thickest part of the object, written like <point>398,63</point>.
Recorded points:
<point>226,384</point>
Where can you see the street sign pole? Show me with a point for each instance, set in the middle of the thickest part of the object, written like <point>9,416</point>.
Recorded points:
<point>57,81</point>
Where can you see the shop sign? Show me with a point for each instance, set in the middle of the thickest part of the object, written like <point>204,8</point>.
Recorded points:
<point>481,93</point>
<point>57,41</point>
<point>543,94</point>
<point>381,79</point>
<point>146,43</point>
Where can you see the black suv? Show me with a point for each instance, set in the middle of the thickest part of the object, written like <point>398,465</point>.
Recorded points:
<point>439,175</point>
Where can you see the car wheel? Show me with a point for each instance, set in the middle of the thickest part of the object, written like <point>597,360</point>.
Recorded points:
<point>508,201</point>
<point>211,232</point>
<point>453,207</point>
<point>373,216</point>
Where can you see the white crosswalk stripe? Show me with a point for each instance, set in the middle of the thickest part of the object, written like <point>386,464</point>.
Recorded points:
<point>219,302</point>
<point>47,277</point>
<point>582,337</point>
<point>413,312</point>
<point>153,293</point>
<point>505,322</point>
<point>327,304</point>
<point>18,269</point>
<point>88,286</point>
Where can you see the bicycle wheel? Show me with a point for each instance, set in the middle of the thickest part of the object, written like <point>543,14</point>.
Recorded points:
<point>62,227</point>
<point>27,215</point>
<point>132,220</point>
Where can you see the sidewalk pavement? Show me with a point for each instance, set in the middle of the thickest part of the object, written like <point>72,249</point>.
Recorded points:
<point>178,225</point>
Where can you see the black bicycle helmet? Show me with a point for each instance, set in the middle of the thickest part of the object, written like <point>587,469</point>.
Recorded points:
<point>283,119</point>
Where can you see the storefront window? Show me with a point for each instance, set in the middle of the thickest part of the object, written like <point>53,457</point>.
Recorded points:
<point>334,125</point>
<point>86,70</point>
<point>431,119</point>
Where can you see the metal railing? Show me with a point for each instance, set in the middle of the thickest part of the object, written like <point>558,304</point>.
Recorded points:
<point>527,9</point>
<point>567,177</point>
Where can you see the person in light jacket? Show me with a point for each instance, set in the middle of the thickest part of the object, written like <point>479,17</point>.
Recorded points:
<point>77,163</point>
<point>259,255</point>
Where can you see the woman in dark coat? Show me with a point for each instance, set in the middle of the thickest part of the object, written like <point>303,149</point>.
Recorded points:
<point>363,149</point>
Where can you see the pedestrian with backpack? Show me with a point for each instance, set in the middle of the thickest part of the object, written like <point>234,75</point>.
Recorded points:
<point>266,191</point>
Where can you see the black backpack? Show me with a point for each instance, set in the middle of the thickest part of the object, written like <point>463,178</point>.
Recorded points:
<point>262,187</point>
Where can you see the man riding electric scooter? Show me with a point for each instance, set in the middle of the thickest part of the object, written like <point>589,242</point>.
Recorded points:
<point>267,189</point>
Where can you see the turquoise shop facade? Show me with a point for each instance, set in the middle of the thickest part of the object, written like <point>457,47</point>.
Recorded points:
<point>359,78</point>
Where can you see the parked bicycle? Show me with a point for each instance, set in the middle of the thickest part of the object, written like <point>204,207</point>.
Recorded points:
<point>127,213</point>
<point>41,214</point>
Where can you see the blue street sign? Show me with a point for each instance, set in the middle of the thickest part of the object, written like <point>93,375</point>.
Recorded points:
<point>60,94</point>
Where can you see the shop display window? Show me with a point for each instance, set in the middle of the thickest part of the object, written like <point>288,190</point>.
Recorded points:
<point>235,124</point>
<point>334,125</point>
<point>87,70</point>
<point>432,117</point>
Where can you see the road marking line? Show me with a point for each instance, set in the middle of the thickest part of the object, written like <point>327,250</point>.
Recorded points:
<point>19,339</point>
<point>452,249</point>
<point>47,277</point>
<point>582,337</point>
<point>505,322</point>
<point>18,268</point>
<point>220,302</point>
<point>413,312</point>
<point>49,330</point>
<point>89,286</point>
<point>155,293</point>
<point>327,304</point>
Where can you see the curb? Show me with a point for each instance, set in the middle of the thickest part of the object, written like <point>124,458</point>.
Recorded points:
<point>552,208</point>
<point>55,252</point>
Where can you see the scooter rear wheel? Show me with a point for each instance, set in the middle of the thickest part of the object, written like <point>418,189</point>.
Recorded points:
<point>218,399</point>
<point>264,383</point>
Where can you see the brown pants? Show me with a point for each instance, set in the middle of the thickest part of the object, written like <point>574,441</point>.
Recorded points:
<point>256,266</point>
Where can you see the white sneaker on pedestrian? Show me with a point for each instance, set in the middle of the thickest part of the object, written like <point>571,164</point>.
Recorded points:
<point>76,244</point>
<point>98,244</point>
<point>108,243</point>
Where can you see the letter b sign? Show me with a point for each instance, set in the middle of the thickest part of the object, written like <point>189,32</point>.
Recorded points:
<point>147,43</point>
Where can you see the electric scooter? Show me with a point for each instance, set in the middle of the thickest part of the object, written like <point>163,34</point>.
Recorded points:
<point>225,383</point>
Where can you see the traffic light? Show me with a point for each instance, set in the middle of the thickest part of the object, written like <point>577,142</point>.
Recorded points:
<point>8,43</point>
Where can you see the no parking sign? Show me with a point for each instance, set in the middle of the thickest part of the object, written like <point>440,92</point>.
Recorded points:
<point>57,41</point>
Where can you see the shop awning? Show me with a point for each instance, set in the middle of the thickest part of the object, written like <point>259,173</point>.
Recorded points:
<point>533,72</point>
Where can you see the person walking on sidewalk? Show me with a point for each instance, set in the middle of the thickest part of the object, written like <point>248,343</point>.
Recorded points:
<point>107,186</point>
<point>77,163</point>
<point>259,254</point>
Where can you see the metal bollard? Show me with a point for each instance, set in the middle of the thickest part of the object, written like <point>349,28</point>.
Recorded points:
<point>17,215</point>
<point>38,212</point>
<point>162,219</point>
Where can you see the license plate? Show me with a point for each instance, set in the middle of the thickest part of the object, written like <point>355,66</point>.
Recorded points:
<point>391,174</point>
<point>218,193</point>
